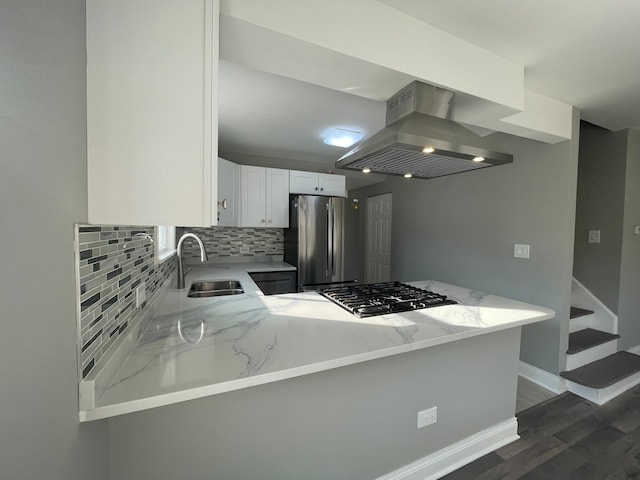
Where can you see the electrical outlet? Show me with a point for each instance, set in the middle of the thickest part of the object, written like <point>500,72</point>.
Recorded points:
<point>594,236</point>
<point>521,251</point>
<point>427,417</point>
<point>141,294</point>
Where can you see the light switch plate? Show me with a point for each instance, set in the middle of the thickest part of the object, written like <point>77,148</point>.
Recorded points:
<point>636,229</point>
<point>521,251</point>
<point>594,236</point>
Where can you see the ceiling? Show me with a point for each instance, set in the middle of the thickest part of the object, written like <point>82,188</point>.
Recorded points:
<point>577,52</point>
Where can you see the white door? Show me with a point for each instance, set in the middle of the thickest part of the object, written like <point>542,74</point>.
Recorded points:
<point>379,238</point>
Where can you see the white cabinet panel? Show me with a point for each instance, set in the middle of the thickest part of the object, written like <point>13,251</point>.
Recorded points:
<point>305,183</point>
<point>253,194</point>
<point>228,193</point>
<point>265,197</point>
<point>152,111</point>
<point>277,200</point>
<point>332,185</point>
<point>312,183</point>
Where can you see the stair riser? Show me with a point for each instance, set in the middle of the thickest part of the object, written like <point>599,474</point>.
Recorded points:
<point>603,395</point>
<point>595,321</point>
<point>603,318</point>
<point>580,323</point>
<point>592,354</point>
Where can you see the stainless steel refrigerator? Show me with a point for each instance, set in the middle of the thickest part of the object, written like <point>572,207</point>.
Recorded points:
<point>322,240</point>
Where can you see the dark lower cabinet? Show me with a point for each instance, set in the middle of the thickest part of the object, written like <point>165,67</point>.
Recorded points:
<point>273,283</point>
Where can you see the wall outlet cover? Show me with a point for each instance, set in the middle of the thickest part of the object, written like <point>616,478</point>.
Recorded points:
<point>427,417</point>
<point>141,294</point>
<point>521,251</point>
<point>594,236</point>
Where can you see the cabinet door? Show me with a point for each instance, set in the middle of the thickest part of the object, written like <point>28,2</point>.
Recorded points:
<point>253,194</point>
<point>152,111</point>
<point>228,186</point>
<point>332,185</point>
<point>277,197</point>
<point>305,183</point>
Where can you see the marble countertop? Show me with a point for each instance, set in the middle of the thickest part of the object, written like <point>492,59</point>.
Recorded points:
<point>196,347</point>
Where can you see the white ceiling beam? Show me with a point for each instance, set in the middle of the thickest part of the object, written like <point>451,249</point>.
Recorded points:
<point>374,32</point>
<point>334,42</point>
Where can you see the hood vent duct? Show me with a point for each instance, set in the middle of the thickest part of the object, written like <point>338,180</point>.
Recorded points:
<point>421,139</point>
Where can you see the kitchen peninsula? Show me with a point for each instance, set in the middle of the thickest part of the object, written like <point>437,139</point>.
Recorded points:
<point>315,372</point>
<point>195,347</point>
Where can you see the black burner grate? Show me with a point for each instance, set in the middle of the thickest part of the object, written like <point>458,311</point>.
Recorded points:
<point>382,298</point>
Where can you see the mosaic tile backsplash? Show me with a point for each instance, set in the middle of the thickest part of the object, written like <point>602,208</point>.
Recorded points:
<point>112,261</point>
<point>224,242</point>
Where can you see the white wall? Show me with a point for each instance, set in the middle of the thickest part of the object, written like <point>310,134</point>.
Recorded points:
<point>42,193</point>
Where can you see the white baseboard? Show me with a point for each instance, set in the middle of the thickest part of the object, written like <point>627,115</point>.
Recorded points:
<point>554,383</point>
<point>635,350</point>
<point>458,454</point>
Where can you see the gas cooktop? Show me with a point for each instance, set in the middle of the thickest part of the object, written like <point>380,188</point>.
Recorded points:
<point>381,298</point>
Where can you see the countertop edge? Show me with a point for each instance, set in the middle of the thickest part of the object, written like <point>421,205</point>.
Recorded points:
<point>137,405</point>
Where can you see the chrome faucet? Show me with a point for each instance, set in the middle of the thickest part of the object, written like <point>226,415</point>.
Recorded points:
<point>203,256</point>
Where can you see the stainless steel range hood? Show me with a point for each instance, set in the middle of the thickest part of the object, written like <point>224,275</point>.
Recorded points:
<point>419,119</point>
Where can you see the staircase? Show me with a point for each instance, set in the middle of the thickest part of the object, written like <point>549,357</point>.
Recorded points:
<point>595,369</point>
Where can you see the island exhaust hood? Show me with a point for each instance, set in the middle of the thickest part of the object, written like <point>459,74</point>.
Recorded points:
<point>421,140</point>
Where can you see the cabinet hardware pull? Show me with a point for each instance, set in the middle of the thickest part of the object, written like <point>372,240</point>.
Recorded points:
<point>223,203</point>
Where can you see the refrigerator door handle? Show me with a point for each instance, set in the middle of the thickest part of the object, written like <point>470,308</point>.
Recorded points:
<point>329,246</point>
<point>333,238</point>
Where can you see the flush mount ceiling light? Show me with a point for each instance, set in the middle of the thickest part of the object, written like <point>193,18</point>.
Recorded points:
<point>428,150</point>
<point>407,175</point>
<point>342,138</point>
<point>366,170</point>
<point>478,159</point>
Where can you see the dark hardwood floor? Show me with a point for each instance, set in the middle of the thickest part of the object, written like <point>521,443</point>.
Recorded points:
<point>568,438</point>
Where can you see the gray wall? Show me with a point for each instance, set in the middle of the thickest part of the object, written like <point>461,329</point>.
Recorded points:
<point>629,300</point>
<point>43,192</point>
<point>355,422</point>
<point>600,206</point>
<point>461,229</point>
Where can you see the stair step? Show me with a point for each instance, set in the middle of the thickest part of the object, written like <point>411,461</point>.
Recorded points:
<point>579,312</point>
<point>605,372</point>
<point>587,338</point>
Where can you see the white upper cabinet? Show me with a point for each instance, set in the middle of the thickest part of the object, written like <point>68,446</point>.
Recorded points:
<point>277,203</point>
<point>264,197</point>
<point>152,73</point>
<point>228,193</point>
<point>311,183</point>
<point>332,185</point>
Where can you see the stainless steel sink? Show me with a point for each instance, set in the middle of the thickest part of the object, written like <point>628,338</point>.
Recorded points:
<point>215,288</point>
